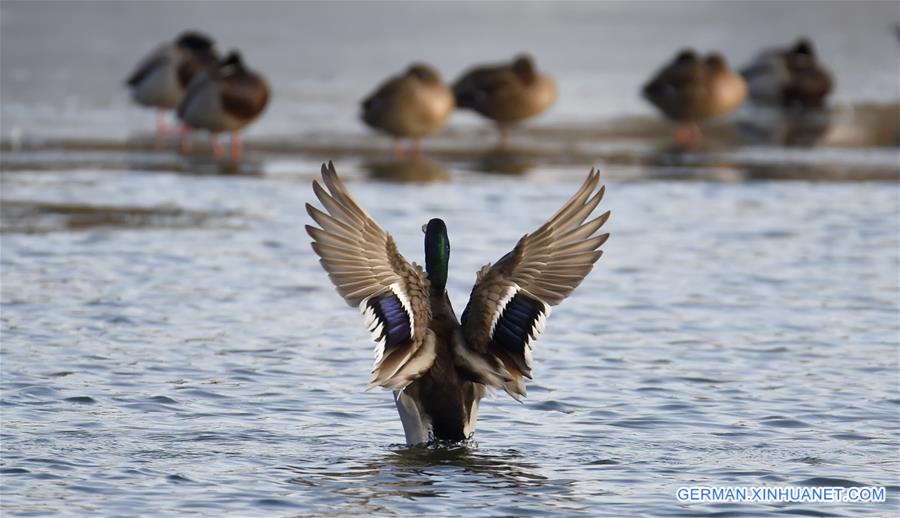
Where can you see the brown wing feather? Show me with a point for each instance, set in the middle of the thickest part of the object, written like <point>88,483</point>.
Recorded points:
<point>192,65</point>
<point>511,300</point>
<point>244,96</point>
<point>382,98</point>
<point>678,88</point>
<point>365,266</point>
<point>483,85</point>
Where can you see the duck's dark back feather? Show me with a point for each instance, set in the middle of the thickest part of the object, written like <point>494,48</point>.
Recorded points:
<point>675,89</point>
<point>194,65</point>
<point>373,104</point>
<point>810,82</point>
<point>146,68</point>
<point>478,84</point>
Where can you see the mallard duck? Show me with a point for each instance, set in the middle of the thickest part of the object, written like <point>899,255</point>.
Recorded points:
<point>792,76</point>
<point>227,97</point>
<point>689,90</point>
<point>507,93</point>
<point>160,80</point>
<point>439,367</point>
<point>413,105</point>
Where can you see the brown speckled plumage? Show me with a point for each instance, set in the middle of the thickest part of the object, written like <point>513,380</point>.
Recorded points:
<point>506,93</point>
<point>691,89</point>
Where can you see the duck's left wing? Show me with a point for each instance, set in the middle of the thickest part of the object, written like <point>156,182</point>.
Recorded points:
<point>511,300</point>
<point>365,266</point>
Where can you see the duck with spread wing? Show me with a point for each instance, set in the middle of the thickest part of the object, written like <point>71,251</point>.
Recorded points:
<point>439,367</point>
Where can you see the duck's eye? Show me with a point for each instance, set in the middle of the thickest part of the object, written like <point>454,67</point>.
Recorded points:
<point>424,228</point>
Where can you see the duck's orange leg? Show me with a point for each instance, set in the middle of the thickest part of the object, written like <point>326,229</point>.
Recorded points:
<point>161,126</point>
<point>217,150</point>
<point>235,146</point>
<point>161,129</point>
<point>689,135</point>
<point>398,150</point>
<point>503,135</point>
<point>185,132</point>
<point>416,149</point>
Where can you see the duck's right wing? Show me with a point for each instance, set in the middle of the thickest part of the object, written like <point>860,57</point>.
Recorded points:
<point>511,300</point>
<point>365,266</point>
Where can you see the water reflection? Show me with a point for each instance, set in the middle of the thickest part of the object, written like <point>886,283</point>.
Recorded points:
<point>31,217</point>
<point>504,161</point>
<point>711,171</point>
<point>206,165</point>
<point>794,128</point>
<point>163,153</point>
<point>153,141</point>
<point>407,171</point>
<point>510,467</point>
<point>421,471</point>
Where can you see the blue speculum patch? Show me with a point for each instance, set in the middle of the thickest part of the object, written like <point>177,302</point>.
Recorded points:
<point>393,318</point>
<point>515,324</point>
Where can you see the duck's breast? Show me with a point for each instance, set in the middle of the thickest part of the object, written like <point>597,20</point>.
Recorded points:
<point>540,95</point>
<point>728,91</point>
<point>516,100</point>
<point>408,108</point>
<point>428,109</point>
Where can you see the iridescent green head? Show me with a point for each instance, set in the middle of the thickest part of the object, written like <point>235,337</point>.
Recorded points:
<point>437,253</point>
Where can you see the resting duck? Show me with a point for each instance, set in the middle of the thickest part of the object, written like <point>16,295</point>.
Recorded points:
<point>227,97</point>
<point>162,77</point>
<point>413,105</point>
<point>507,93</point>
<point>437,366</point>
<point>689,90</point>
<point>790,77</point>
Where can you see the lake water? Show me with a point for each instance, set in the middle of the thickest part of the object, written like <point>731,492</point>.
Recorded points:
<point>170,344</point>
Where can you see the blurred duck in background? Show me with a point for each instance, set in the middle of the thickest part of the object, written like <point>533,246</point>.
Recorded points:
<point>690,90</point>
<point>414,104</point>
<point>226,97</point>
<point>506,93</point>
<point>160,80</point>
<point>791,77</point>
